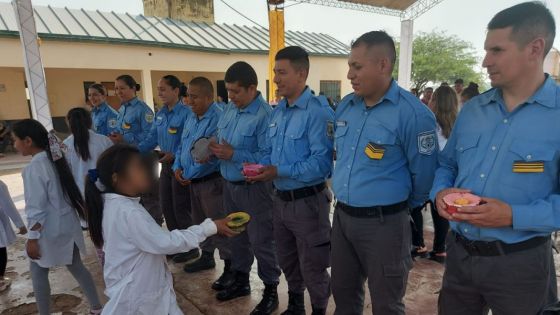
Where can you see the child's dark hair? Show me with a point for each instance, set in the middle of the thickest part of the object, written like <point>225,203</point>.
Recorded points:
<point>129,81</point>
<point>40,137</point>
<point>80,123</point>
<point>113,161</point>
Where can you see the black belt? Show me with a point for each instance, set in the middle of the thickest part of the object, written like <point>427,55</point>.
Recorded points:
<point>241,183</point>
<point>372,212</point>
<point>497,248</point>
<point>206,178</point>
<point>291,195</point>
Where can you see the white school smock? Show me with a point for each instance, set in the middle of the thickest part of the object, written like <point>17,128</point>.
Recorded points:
<point>8,211</point>
<point>442,140</point>
<point>45,204</point>
<point>137,278</point>
<point>97,144</point>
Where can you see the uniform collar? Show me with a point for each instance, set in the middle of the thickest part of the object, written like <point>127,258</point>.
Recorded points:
<point>133,101</point>
<point>253,107</point>
<point>392,95</point>
<point>545,95</point>
<point>100,108</point>
<point>210,112</point>
<point>166,108</point>
<point>301,101</point>
<point>114,196</point>
<point>39,156</point>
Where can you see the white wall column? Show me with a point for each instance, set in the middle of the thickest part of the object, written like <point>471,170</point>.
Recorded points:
<point>405,54</point>
<point>34,72</point>
<point>146,88</point>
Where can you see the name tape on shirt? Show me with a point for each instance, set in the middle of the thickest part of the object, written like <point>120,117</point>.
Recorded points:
<point>374,151</point>
<point>528,167</point>
<point>427,142</point>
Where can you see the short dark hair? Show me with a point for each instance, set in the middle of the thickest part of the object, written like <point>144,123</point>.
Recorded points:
<point>528,21</point>
<point>378,38</point>
<point>459,81</point>
<point>99,88</point>
<point>298,57</point>
<point>242,73</point>
<point>429,88</point>
<point>204,84</point>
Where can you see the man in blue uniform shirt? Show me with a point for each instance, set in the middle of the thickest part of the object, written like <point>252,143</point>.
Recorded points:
<point>505,148</point>
<point>242,139</point>
<point>299,160</point>
<point>202,177</point>
<point>386,147</point>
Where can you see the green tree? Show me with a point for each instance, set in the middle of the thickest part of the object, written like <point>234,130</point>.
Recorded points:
<point>439,57</point>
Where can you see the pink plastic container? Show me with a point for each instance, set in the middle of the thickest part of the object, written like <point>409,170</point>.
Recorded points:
<point>455,201</point>
<point>251,169</point>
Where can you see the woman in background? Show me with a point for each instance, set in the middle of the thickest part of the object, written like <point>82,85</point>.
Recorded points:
<point>470,92</point>
<point>445,107</point>
<point>104,116</point>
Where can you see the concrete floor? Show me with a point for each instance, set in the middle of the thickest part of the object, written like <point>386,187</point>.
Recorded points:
<point>193,291</point>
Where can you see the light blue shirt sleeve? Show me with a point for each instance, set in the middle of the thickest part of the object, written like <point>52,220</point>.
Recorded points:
<point>151,141</point>
<point>422,165</point>
<point>197,170</point>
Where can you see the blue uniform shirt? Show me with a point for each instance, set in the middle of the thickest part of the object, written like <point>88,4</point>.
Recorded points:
<point>135,121</point>
<point>104,119</point>
<point>402,131</point>
<point>299,143</point>
<point>486,142</point>
<point>196,128</point>
<point>245,129</point>
<point>167,129</point>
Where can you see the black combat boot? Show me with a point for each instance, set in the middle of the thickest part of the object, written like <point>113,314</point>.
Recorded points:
<point>296,304</point>
<point>318,310</point>
<point>205,262</point>
<point>241,287</point>
<point>188,256</point>
<point>269,302</point>
<point>226,279</point>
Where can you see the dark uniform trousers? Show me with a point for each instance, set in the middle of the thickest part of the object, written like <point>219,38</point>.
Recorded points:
<point>258,239</point>
<point>207,202</point>
<point>150,200</point>
<point>174,200</point>
<point>519,283</point>
<point>302,233</point>
<point>376,249</point>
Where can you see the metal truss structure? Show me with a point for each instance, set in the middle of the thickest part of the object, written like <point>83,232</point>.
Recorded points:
<point>415,10</point>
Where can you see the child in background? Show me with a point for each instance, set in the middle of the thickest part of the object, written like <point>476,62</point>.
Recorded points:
<point>137,279</point>
<point>7,236</point>
<point>53,204</point>
<point>84,147</point>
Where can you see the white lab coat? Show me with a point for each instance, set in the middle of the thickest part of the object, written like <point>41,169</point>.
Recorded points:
<point>45,204</point>
<point>97,144</point>
<point>137,278</point>
<point>8,211</point>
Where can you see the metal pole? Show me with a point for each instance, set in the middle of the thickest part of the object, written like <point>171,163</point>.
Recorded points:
<point>405,54</point>
<point>34,72</point>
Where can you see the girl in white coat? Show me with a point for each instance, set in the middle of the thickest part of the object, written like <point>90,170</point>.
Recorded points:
<point>53,205</point>
<point>137,279</point>
<point>7,236</point>
<point>83,146</point>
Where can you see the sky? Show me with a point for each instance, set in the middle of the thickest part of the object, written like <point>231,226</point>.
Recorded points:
<point>465,18</point>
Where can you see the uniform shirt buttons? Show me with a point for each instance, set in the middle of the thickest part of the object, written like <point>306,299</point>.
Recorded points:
<point>466,230</point>
<point>482,175</point>
<point>505,121</point>
<point>493,148</point>
<point>529,157</point>
<point>353,148</point>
